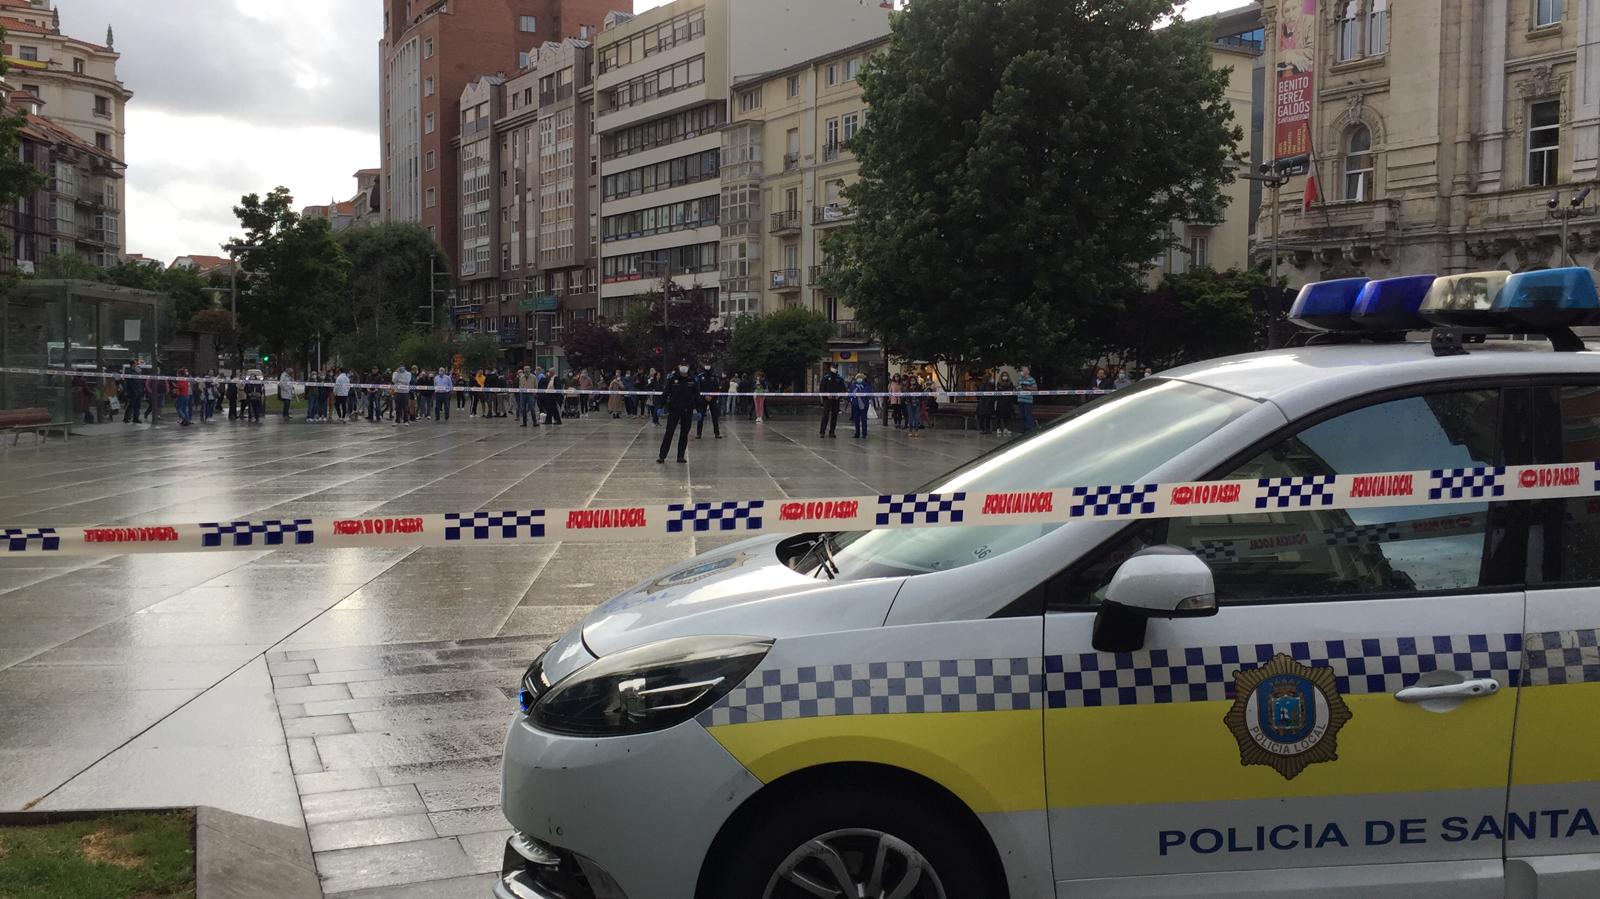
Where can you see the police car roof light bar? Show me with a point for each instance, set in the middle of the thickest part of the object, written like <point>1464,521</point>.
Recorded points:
<point>1550,302</point>
<point>1327,305</point>
<point>1464,301</point>
<point>1393,304</point>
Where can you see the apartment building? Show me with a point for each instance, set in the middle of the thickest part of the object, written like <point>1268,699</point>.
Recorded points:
<point>662,87</point>
<point>429,52</point>
<point>73,83</point>
<point>1238,39</point>
<point>68,214</point>
<point>786,165</point>
<point>361,209</point>
<point>1438,133</point>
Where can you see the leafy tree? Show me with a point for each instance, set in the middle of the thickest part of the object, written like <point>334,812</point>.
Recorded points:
<point>785,344</point>
<point>598,346</point>
<point>391,278</point>
<point>688,333</point>
<point>1186,318</point>
<point>1022,163</point>
<point>187,290</point>
<point>67,266</point>
<point>298,274</point>
<point>427,349</point>
<point>478,351</point>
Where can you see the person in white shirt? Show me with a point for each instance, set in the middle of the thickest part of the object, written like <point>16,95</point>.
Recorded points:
<point>443,384</point>
<point>286,391</point>
<point>402,388</point>
<point>341,395</point>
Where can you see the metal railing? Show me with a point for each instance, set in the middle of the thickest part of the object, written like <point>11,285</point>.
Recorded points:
<point>786,279</point>
<point>787,220</point>
<point>832,214</point>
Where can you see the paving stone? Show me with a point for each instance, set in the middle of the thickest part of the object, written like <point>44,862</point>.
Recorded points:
<point>370,832</point>
<point>337,781</point>
<point>472,887</point>
<point>476,792</point>
<point>468,820</point>
<point>344,870</point>
<point>320,726</point>
<point>487,850</point>
<point>376,703</point>
<point>303,757</point>
<point>372,802</point>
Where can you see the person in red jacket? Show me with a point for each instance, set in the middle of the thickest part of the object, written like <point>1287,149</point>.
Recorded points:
<point>184,398</point>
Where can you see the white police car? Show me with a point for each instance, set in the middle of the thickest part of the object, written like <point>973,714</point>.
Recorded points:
<point>1322,698</point>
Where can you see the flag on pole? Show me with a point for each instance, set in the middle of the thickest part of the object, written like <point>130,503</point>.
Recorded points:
<point>1313,195</point>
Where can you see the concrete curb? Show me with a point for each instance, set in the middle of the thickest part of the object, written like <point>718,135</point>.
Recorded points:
<point>236,857</point>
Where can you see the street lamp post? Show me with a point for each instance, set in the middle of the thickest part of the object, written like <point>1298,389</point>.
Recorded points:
<point>233,286</point>
<point>1565,214</point>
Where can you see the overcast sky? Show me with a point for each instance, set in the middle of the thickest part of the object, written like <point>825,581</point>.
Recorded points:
<point>239,96</point>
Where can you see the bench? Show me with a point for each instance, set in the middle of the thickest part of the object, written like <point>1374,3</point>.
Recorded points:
<point>38,422</point>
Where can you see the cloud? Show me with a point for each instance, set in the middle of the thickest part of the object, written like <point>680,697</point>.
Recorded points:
<point>285,62</point>
<point>186,172</point>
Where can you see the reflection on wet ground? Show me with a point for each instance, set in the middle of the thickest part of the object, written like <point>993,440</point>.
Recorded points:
<point>375,679</point>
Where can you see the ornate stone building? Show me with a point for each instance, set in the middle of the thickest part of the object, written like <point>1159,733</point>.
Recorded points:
<point>1438,133</point>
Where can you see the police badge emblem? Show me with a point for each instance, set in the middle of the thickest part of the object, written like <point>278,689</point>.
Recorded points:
<point>1286,715</point>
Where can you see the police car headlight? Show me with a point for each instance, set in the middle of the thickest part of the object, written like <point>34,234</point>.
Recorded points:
<point>648,688</point>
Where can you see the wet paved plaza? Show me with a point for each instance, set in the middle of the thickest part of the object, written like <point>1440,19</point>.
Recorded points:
<point>362,694</point>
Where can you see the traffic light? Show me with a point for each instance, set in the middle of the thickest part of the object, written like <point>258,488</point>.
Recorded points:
<point>265,359</point>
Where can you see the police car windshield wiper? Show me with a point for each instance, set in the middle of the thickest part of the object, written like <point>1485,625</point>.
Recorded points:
<point>828,565</point>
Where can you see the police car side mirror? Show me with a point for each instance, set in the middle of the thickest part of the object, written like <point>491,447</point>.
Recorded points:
<point>1157,582</point>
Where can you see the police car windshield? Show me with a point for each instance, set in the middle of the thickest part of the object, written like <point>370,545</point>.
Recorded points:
<point>1116,439</point>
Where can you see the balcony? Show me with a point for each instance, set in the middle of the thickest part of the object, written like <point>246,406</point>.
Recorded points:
<point>786,279</point>
<point>830,152</point>
<point>786,222</point>
<point>791,162</point>
<point>818,274</point>
<point>832,214</point>
<point>850,330</point>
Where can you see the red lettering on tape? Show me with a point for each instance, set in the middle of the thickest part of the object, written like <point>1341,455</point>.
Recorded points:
<point>1364,486</point>
<point>362,526</point>
<point>1205,494</point>
<point>603,519</point>
<point>828,510</point>
<point>1281,541</point>
<point>1019,503</point>
<point>1563,476</point>
<point>130,535</point>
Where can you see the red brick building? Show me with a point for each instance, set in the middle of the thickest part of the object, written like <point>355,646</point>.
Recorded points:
<point>430,51</point>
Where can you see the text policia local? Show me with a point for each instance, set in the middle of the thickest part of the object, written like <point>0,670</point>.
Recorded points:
<point>1544,824</point>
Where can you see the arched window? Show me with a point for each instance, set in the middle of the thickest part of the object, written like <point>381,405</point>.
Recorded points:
<point>1358,164</point>
<point>1378,28</point>
<point>1349,43</point>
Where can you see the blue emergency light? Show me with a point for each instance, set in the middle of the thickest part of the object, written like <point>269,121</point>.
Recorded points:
<point>1327,305</point>
<point>1392,304</point>
<point>1549,298</point>
<point>1465,301</point>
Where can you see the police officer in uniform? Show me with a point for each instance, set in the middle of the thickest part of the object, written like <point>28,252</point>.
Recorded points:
<point>680,395</point>
<point>834,387</point>
<point>708,382</point>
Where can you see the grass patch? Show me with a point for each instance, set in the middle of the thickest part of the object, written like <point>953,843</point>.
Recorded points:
<point>119,856</point>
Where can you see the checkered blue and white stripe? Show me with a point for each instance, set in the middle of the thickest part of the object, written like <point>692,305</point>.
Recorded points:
<point>1460,483</point>
<point>22,539</point>
<point>1291,493</point>
<point>702,517</point>
<point>1218,551</point>
<point>1205,674</point>
<point>489,525</point>
<point>272,532</point>
<point>1128,499</point>
<point>882,688</point>
<point>1358,534</point>
<point>920,508</point>
<point>1561,657</point>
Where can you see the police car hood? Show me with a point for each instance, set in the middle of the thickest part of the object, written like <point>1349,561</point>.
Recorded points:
<point>742,589</point>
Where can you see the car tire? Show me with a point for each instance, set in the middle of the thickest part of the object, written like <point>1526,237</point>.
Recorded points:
<point>754,859</point>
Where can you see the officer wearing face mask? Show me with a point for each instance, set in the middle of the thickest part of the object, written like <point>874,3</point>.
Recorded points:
<point>681,395</point>
<point>708,382</point>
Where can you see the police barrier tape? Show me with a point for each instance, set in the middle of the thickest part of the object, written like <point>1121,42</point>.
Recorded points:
<point>387,386</point>
<point>739,518</point>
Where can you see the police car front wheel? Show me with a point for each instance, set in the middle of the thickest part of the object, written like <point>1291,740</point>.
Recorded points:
<point>862,845</point>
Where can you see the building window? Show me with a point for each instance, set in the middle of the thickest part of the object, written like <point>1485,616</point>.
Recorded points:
<point>102,106</point>
<point>78,67</point>
<point>30,53</point>
<point>427,48</point>
<point>527,24</point>
<point>427,87</point>
<point>750,100</point>
<point>427,127</point>
<point>1545,12</point>
<point>32,89</point>
<point>522,59</point>
<point>1349,37</point>
<point>428,165</point>
<point>432,198</point>
<point>1358,164</point>
<point>852,124</point>
<point>1378,28</point>
<point>102,140</point>
<point>833,74</point>
<point>852,68</point>
<point>1544,142</point>
<point>1199,253</point>
<point>794,86</point>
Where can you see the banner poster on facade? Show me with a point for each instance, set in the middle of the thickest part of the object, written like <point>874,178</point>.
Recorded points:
<point>1297,32</point>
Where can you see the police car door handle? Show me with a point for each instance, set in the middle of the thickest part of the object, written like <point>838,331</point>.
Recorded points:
<point>1471,689</point>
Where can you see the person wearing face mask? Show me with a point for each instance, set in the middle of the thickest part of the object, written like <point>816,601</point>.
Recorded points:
<point>681,396</point>
<point>860,404</point>
<point>708,382</point>
<point>833,386</point>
